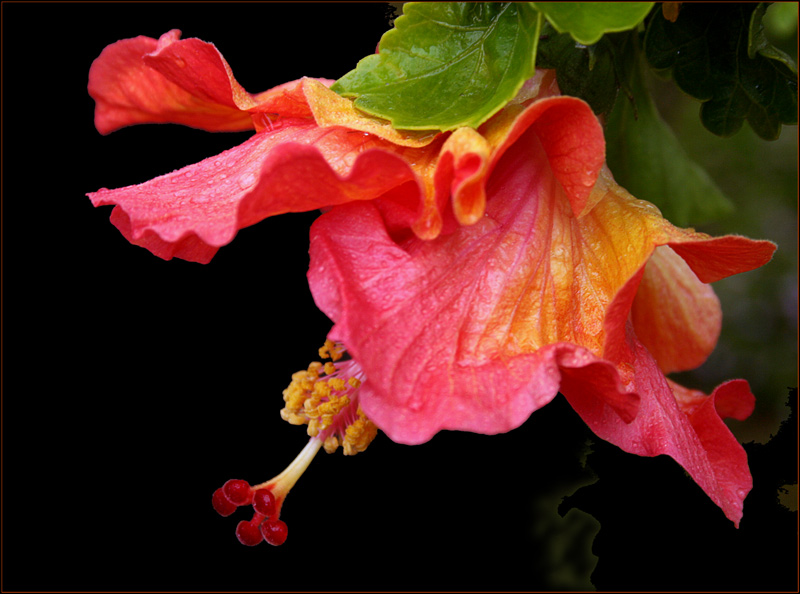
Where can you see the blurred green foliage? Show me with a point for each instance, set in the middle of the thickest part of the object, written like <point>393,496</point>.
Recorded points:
<point>650,162</point>
<point>719,53</point>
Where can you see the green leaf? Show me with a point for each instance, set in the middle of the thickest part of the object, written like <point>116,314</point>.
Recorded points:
<point>587,22</point>
<point>757,42</point>
<point>590,73</point>
<point>447,65</point>
<point>648,160</point>
<point>718,54</point>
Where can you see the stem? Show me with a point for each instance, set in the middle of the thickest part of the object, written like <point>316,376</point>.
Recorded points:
<point>283,483</point>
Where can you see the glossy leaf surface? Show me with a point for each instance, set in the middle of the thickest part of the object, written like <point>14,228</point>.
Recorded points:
<point>446,65</point>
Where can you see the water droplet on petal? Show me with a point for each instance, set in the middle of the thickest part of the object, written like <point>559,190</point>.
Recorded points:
<point>180,62</point>
<point>247,180</point>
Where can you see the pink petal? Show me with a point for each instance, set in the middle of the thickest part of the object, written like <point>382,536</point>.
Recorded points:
<point>188,247</point>
<point>447,324</point>
<point>455,329</point>
<point>452,327</point>
<point>476,329</point>
<point>398,317</point>
<point>292,168</point>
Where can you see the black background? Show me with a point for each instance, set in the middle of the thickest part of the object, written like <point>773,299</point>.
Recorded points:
<point>134,387</point>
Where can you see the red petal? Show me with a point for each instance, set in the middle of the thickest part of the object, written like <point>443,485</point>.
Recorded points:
<point>128,90</point>
<point>722,257</point>
<point>454,179</point>
<point>732,399</point>
<point>699,441</point>
<point>571,137</point>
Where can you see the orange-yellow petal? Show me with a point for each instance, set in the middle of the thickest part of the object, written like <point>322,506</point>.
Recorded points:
<point>677,317</point>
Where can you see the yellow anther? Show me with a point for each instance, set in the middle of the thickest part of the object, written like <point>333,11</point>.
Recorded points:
<point>310,406</point>
<point>330,444</point>
<point>333,406</point>
<point>359,434</point>
<point>322,390</point>
<point>293,418</point>
<point>331,350</point>
<point>337,383</point>
<point>324,397</point>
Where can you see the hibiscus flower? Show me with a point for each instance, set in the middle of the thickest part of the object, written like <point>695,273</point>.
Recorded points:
<point>471,276</point>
